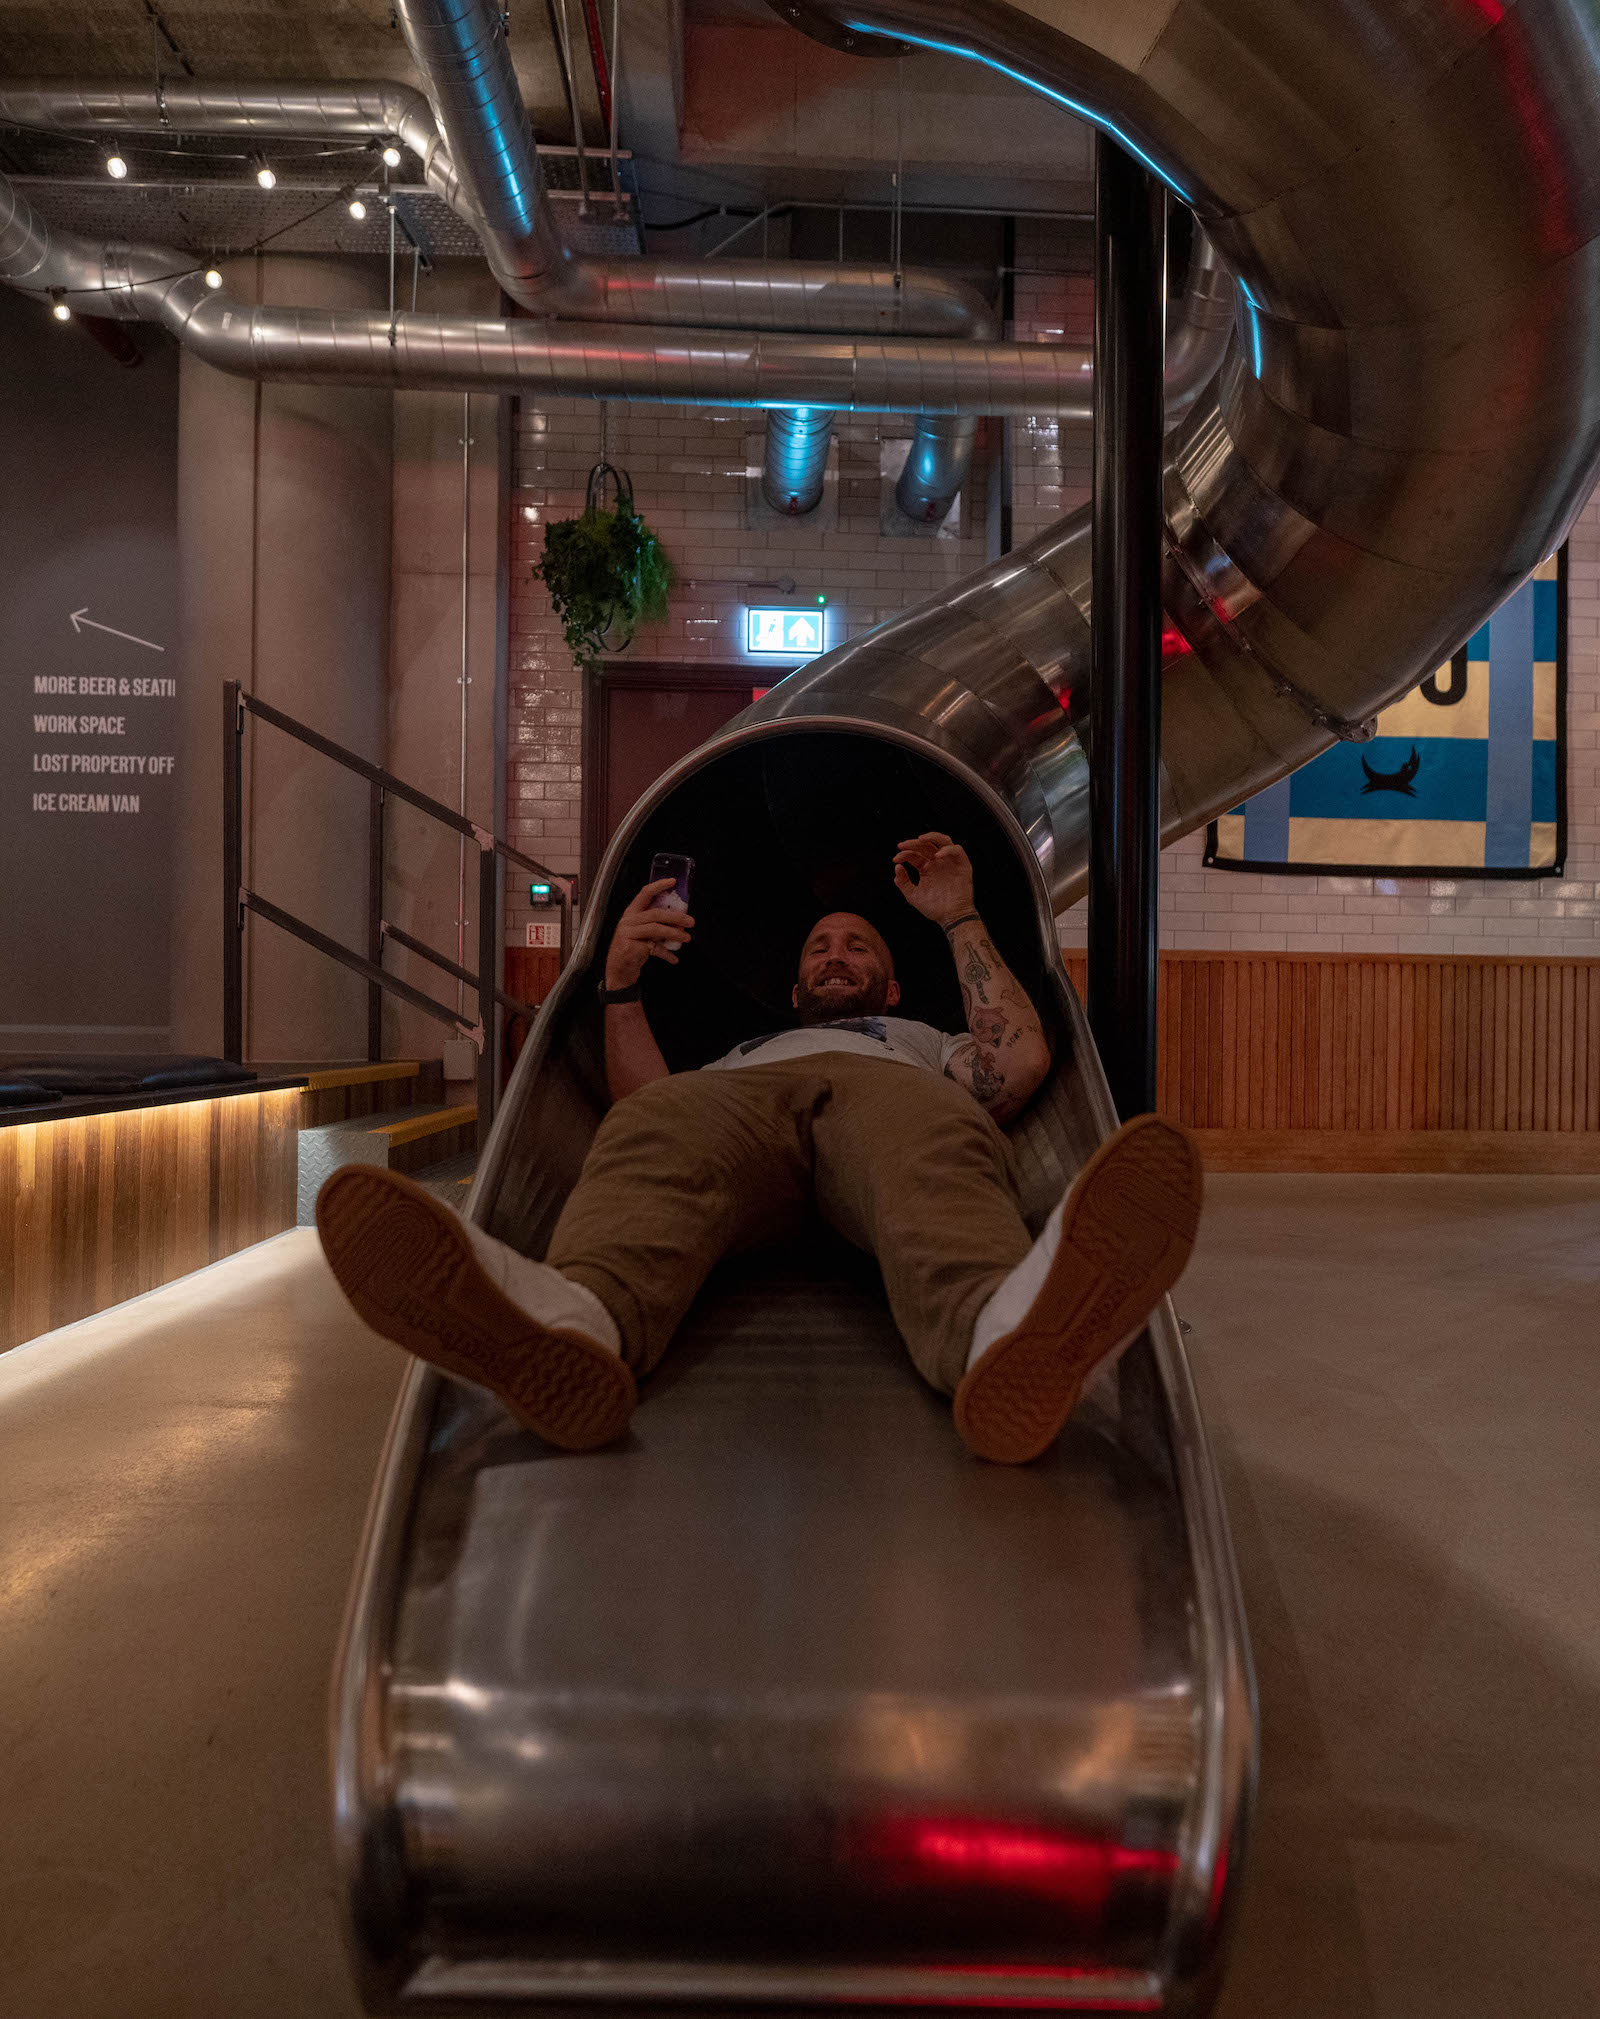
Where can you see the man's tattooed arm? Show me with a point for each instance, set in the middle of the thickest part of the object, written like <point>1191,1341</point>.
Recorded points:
<point>1005,1057</point>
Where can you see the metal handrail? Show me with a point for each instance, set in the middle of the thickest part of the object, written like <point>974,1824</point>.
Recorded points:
<point>335,949</point>
<point>238,900</point>
<point>461,973</point>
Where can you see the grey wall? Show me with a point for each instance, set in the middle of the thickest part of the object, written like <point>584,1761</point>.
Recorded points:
<point>320,539</point>
<point>284,509</point>
<point>306,542</point>
<point>432,489</point>
<point>88,521</point>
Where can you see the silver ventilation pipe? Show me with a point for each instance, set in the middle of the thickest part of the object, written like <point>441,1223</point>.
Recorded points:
<point>936,467</point>
<point>796,458</point>
<point>461,51</point>
<point>568,360</point>
<point>1406,421</point>
<point>1198,326</point>
<point>810,295</point>
<point>370,110</point>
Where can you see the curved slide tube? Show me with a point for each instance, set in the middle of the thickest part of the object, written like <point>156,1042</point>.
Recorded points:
<point>786,1701</point>
<point>1405,423</point>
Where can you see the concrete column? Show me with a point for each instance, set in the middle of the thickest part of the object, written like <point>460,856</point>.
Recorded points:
<point>434,581</point>
<point>284,505</point>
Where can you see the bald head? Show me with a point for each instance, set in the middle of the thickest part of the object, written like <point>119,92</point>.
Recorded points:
<point>846,970</point>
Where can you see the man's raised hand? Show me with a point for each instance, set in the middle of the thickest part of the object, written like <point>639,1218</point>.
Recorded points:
<point>643,934</point>
<point>943,887</point>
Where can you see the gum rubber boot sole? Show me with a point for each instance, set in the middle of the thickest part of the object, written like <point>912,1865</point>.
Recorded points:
<point>1126,1233</point>
<point>404,1261</point>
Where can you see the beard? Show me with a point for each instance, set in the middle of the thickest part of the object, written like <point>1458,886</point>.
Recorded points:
<point>827,1005</point>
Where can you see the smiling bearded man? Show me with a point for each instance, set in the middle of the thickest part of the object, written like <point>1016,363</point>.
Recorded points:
<point>892,1130</point>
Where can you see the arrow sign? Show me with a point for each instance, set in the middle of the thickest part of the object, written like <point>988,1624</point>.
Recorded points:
<point>79,619</point>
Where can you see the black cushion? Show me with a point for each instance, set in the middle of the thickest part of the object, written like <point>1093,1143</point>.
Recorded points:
<point>127,1073</point>
<point>16,1092</point>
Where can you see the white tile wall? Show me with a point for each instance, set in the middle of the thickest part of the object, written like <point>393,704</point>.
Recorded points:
<point>688,466</point>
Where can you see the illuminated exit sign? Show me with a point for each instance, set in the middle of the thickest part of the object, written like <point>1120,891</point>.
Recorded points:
<point>787,634</point>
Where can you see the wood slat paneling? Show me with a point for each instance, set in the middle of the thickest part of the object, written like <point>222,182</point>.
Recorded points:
<point>1378,1045</point>
<point>98,1208</point>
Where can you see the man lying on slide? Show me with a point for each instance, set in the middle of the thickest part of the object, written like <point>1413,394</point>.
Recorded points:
<point>892,1129</point>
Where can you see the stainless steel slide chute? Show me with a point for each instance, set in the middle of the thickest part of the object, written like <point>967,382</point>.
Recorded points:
<point>785,1701</point>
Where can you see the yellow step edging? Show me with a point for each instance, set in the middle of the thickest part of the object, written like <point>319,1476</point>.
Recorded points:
<point>360,1076</point>
<point>418,1126</point>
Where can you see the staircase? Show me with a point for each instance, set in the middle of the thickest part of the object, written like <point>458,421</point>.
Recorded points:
<point>390,1113</point>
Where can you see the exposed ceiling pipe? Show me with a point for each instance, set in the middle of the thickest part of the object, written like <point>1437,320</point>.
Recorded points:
<point>811,295</point>
<point>460,52</point>
<point>795,459</point>
<point>570,360</point>
<point>1198,325</point>
<point>371,110</point>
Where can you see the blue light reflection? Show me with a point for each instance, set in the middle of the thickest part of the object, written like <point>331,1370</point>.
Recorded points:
<point>1072,104</point>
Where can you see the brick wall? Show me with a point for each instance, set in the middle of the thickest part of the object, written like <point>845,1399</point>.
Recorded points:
<point>689,470</point>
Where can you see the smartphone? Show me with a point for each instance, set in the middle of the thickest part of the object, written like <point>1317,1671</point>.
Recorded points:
<point>680,868</point>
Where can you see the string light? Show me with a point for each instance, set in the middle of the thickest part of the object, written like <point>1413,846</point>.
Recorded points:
<point>213,278</point>
<point>266,175</point>
<point>391,156</point>
<point>358,209</point>
<point>116,167</point>
<point>58,307</point>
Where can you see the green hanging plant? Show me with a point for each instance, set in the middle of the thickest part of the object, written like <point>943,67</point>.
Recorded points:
<point>605,571</point>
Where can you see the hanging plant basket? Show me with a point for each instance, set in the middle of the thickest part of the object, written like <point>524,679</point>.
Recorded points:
<point>605,571</point>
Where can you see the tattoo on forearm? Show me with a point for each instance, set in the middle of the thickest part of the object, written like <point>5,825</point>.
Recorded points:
<point>988,1082</point>
<point>1000,1017</point>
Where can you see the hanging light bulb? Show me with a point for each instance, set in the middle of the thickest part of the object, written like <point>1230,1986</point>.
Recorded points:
<point>116,167</point>
<point>266,175</point>
<point>58,307</point>
<point>358,209</point>
<point>213,278</point>
<point>391,156</point>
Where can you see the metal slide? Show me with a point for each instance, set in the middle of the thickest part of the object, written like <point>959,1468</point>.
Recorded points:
<point>786,1701</point>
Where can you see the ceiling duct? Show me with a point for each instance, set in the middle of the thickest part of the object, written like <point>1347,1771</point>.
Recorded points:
<point>574,360</point>
<point>375,110</point>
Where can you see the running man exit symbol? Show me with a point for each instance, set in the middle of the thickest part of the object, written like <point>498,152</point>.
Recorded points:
<point>794,634</point>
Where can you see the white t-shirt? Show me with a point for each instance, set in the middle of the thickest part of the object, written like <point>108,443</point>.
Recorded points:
<point>896,1038</point>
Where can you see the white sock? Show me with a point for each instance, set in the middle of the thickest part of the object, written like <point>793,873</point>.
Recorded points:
<point>1012,1299</point>
<point>544,1293</point>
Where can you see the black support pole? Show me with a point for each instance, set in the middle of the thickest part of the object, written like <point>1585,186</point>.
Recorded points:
<point>374,919</point>
<point>488,981</point>
<point>1125,707</point>
<point>232,873</point>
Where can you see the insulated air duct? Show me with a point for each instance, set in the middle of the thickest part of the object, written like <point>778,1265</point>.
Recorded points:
<point>460,51</point>
<point>796,458</point>
<point>570,360</point>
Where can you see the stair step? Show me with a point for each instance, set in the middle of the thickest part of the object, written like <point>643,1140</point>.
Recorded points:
<point>398,1139</point>
<point>451,1180</point>
<point>345,1092</point>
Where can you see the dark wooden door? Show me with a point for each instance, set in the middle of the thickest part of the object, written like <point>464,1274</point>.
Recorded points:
<point>638,723</point>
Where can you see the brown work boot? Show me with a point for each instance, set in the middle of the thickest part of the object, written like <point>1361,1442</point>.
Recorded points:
<point>458,1298</point>
<point>1108,1254</point>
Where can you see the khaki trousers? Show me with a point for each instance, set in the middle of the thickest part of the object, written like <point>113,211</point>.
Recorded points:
<point>902,1162</point>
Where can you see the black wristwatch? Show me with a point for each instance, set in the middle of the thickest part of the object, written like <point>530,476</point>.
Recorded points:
<point>610,995</point>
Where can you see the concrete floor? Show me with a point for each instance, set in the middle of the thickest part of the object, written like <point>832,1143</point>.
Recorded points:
<point>1403,1380</point>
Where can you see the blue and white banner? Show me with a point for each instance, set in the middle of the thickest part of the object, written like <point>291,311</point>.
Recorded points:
<point>1465,777</point>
